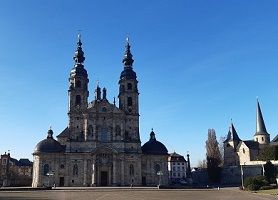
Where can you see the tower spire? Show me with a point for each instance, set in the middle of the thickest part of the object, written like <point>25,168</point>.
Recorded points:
<point>127,60</point>
<point>260,125</point>
<point>232,134</point>
<point>79,54</point>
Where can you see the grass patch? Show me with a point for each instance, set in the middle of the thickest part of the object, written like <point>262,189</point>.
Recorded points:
<point>271,191</point>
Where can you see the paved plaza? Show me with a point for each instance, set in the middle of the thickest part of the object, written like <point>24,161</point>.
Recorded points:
<point>132,194</point>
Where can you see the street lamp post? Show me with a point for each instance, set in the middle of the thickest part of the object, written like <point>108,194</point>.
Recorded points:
<point>50,174</point>
<point>241,169</point>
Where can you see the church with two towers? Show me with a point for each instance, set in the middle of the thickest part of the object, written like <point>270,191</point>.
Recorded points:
<point>101,144</point>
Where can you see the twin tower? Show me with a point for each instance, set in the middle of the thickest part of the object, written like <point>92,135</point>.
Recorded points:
<point>78,91</point>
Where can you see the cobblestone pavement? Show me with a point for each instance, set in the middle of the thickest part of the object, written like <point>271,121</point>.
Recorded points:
<point>133,194</point>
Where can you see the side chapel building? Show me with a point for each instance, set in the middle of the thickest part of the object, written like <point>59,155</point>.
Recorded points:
<point>101,145</point>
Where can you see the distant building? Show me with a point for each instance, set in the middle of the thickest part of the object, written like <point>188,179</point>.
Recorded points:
<point>15,172</point>
<point>245,153</point>
<point>178,168</point>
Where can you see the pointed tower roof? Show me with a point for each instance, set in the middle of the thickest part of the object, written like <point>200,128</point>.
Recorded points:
<point>260,125</point>
<point>232,134</point>
<point>127,60</point>
<point>79,54</point>
<point>79,59</point>
<point>128,72</point>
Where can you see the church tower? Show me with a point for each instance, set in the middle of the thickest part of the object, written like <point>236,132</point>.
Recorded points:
<point>230,147</point>
<point>78,93</point>
<point>261,135</point>
<point>128,96</point>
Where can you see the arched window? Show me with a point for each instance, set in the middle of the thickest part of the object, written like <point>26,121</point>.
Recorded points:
<point>129,86</point>
<point>75,170</point>
<point>129,101</point>
<point>131,170</point>
<point>243,150</point>
<point>118,130</point>
<point>262,138</point>
<point>157,168</point>
<point>127,135</point>
<point>45,169</point>
<point>77,100</point>
<point>78,83</point>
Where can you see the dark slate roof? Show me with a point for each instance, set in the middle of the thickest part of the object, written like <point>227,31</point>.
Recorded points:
<point>251,144</point>
<point>275,139</point>
<point>64,133</point>
<point>260,125</point>
<point>79,70</point>
<point>232,134</point>
<point>49,145</point>
<point>128,73</point>
<point>154,147</point>
<point>176,157</point>
<point>25,162</point>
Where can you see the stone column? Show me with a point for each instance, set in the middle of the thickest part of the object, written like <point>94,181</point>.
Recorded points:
<point>122,172</point>
<point>93,173</point>
<point>86,127</point>
<point>122,131</point>
<point>109,175</point>
<point>85,173</point>
<point>113,131</point>
<point>94,130</point>
<point>114,170</point>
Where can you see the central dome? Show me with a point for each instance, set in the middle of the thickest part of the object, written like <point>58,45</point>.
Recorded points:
<point>154,147</point>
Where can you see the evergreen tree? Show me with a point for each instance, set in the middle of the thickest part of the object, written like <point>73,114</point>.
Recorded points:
<point>213,157</point>
<point>270,172</point>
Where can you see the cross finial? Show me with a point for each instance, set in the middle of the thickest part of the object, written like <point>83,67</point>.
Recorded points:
<point>79,33</point>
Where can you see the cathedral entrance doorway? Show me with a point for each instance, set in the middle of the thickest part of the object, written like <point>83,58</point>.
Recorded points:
<point>104,178</point>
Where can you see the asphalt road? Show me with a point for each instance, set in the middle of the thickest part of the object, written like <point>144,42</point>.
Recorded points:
<point>133,194</point>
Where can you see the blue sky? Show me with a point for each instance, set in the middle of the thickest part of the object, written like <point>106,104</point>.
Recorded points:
<point>199,64</point>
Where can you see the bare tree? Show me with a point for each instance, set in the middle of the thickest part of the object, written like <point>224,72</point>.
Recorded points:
<point>202,164</point>
<point>213,157</point>
<point>221,148</point>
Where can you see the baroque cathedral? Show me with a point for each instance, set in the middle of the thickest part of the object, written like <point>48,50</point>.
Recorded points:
<point>101,145</point>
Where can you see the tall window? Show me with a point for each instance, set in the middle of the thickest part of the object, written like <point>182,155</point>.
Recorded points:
<point>4,161</point>
<point>118,130</point>
<point>129,101</point>
<point>131,170</point>
<point>75,170</point>
<point>104,135</point>
<point>45,169</point>
<point>77,100</point>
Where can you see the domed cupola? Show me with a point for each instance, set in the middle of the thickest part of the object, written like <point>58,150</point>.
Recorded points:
<point>154,147</point>
<point>48,145</point>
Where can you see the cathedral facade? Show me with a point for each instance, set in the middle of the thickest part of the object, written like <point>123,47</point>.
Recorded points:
<point>101,145</point>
